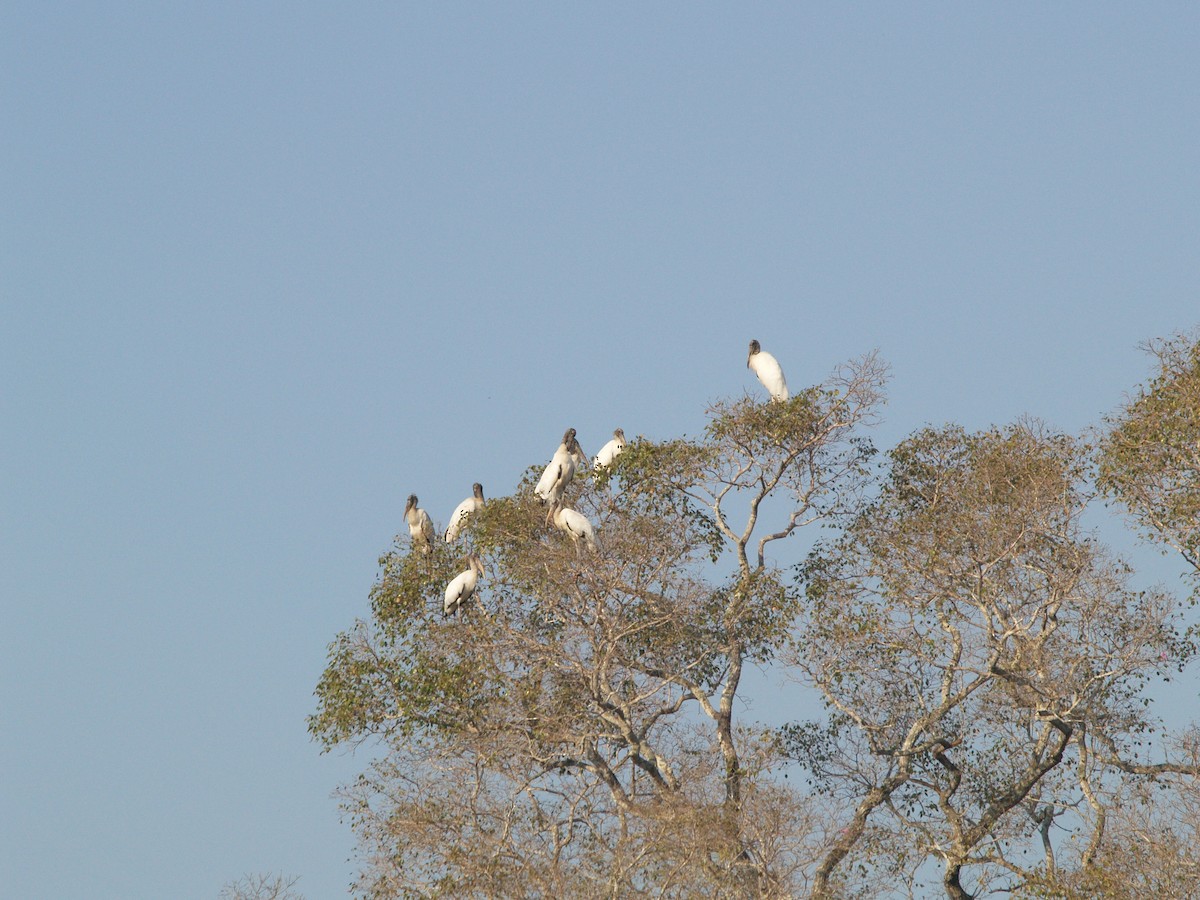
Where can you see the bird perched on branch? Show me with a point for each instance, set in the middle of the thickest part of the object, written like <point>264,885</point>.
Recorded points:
<point>458,518</point>
<point>768,370</point>
<point>558,474</point>
<point>574,524</point>
<point>609,451</point>
<point>420,527</point>
<point>462,587</point>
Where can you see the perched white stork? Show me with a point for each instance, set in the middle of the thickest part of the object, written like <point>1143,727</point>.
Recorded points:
<point>558,474</point>
<point>556,477</point>
<point>768,370</point>
<point>462,587</point>
<point>574,524</point>
<point>609,451</point>
<point>458,518</point>
<point>420,528</point>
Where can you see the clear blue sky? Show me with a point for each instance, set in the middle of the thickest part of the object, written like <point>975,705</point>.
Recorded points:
<point>267,268</point>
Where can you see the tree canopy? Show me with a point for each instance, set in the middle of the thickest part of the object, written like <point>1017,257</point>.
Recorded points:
<point>982,664</point>
<point>1150,456</point>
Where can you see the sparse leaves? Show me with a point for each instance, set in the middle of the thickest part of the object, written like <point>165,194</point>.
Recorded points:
<point>575,724</point>
<point>1150,457</point>
<point>967,632</point>
<point>261,887</point>
<point>576,730</point>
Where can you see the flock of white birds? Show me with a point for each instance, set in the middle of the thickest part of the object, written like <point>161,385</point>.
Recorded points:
<point>551,488</point>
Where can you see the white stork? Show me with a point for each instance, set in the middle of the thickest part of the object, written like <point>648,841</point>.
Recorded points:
<point>558,474</point>
<point>609,451</point>
<point>420,528</point>
<point>574,524</point>
<point>768,370</point>
<point>458,518</point>
<point>462,587</point>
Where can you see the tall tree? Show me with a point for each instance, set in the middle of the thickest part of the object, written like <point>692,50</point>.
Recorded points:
<point>982,658</point>
<point>574,731</point>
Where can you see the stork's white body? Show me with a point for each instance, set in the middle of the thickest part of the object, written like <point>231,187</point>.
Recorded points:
<point>558,474</point>
<point>420,526</point>
<point>575,525</point>
<point>769,372</point>
<point>610,451</point>
<point>458,518</point>
<point>462,587</point>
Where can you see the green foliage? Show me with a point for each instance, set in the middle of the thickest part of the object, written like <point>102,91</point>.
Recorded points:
<point>974,495</point>
<point>805,447</point>
<point>659,481</point>
<point>576,728</point>
<point>964,628</point>
<point>1149,459</point>
<point>1152,863</point>
<point>601,680</point>
<point>746,429</point>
